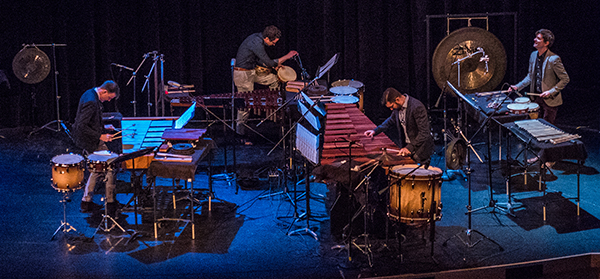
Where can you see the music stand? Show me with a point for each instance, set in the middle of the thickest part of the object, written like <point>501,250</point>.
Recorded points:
<point>308,145</point>
<point>113,163</point>
<point>469,243</point>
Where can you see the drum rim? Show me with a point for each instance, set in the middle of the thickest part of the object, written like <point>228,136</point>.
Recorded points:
<point>354,98</point>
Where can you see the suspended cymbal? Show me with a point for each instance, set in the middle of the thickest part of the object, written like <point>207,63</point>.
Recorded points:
<point>456,154</point>
<point>31,65</point>
<point>474,77</point>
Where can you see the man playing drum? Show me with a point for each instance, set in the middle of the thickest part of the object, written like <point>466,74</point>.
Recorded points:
<point>251,54</point>
<point>410,118</point>
<point>89,135</point>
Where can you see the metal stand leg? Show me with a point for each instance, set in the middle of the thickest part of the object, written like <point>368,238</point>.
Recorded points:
<point>307,214</point>
<point>64,225</point>
<point>104,224</point>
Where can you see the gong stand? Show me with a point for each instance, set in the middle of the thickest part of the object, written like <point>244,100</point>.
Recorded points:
<point>24,77</point>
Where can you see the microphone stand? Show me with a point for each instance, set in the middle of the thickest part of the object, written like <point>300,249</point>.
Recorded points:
<point>149,104</point>
<point>133,77</point>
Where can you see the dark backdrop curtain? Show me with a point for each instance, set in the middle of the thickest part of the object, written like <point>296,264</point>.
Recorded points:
<point>382,43</point>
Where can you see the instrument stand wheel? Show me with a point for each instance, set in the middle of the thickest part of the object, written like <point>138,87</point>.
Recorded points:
<point>64,225</point>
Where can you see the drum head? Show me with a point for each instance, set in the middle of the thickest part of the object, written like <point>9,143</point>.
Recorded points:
<point>405,169</point>
<point>533,106</point>
<point>516,108</point>
<point>102,156</point>
<point>522,100</point>
<point>286,73</point>
<point>67,159</point>
<point>345,99</point>
<point>343,90</point>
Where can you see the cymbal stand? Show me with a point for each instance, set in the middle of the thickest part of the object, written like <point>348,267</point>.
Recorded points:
<point>286,168</point>
<point>58,122</point>
<point>64,225</point>
<point>367,211</point>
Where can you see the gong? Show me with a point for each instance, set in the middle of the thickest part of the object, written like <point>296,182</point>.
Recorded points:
<point>474,75</point>
<point>31,65</point>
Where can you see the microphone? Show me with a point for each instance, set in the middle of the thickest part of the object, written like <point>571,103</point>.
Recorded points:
<point>174,84</point>
<point>484,58</point>
<point>150,53</point>
<point>121,66</point>
<point>232,62</point>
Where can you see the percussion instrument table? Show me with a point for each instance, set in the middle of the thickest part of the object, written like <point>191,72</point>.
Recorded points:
<point>549,152</point>
<point>185,171</point>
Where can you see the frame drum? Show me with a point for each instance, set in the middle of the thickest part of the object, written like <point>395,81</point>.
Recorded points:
<point>411,198</point>
<point>286,73</point>
<point>534,110</point>
<point>518,108</point>
<point>67,172</point>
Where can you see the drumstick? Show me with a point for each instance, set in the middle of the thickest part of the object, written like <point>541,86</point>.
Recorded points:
<point>532,94</point>
<point>132,125</point>
<point>115,138</point>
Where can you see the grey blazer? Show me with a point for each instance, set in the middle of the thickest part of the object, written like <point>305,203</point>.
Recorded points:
<point>554,77</point>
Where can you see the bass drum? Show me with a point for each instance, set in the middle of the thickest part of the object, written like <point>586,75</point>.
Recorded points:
<point>355,84</point>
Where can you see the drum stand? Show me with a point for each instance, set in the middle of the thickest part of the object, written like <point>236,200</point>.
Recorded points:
<point>64,225</point>
<point>106,218</point>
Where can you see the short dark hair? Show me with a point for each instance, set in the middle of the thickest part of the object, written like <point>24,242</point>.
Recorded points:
<point>271,32</point>
<point>390,95</point>
<point>547,35</point>
<point>111,87</point>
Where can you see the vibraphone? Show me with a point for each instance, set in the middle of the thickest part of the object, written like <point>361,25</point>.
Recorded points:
<point>543,132</point>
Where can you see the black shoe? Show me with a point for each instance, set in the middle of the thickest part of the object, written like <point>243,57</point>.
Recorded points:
<point>111,209</point>
<point>87,207</point>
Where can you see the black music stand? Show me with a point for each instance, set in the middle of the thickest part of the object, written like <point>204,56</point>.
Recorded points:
<point>115,162</point>
<point>468,232</point>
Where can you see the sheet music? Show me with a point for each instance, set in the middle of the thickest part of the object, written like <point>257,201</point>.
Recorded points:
<point>307,143</point>
<point>185,117</point>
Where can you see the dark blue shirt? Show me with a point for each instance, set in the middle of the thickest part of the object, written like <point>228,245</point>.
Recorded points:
<point>252,52</point>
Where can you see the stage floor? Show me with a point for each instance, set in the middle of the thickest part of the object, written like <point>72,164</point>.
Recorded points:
<point>245,235</point>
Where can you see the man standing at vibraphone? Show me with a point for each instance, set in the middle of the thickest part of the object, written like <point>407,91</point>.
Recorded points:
<point>88,134</point>
<point>546,75</point>
<point>409,116</point>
